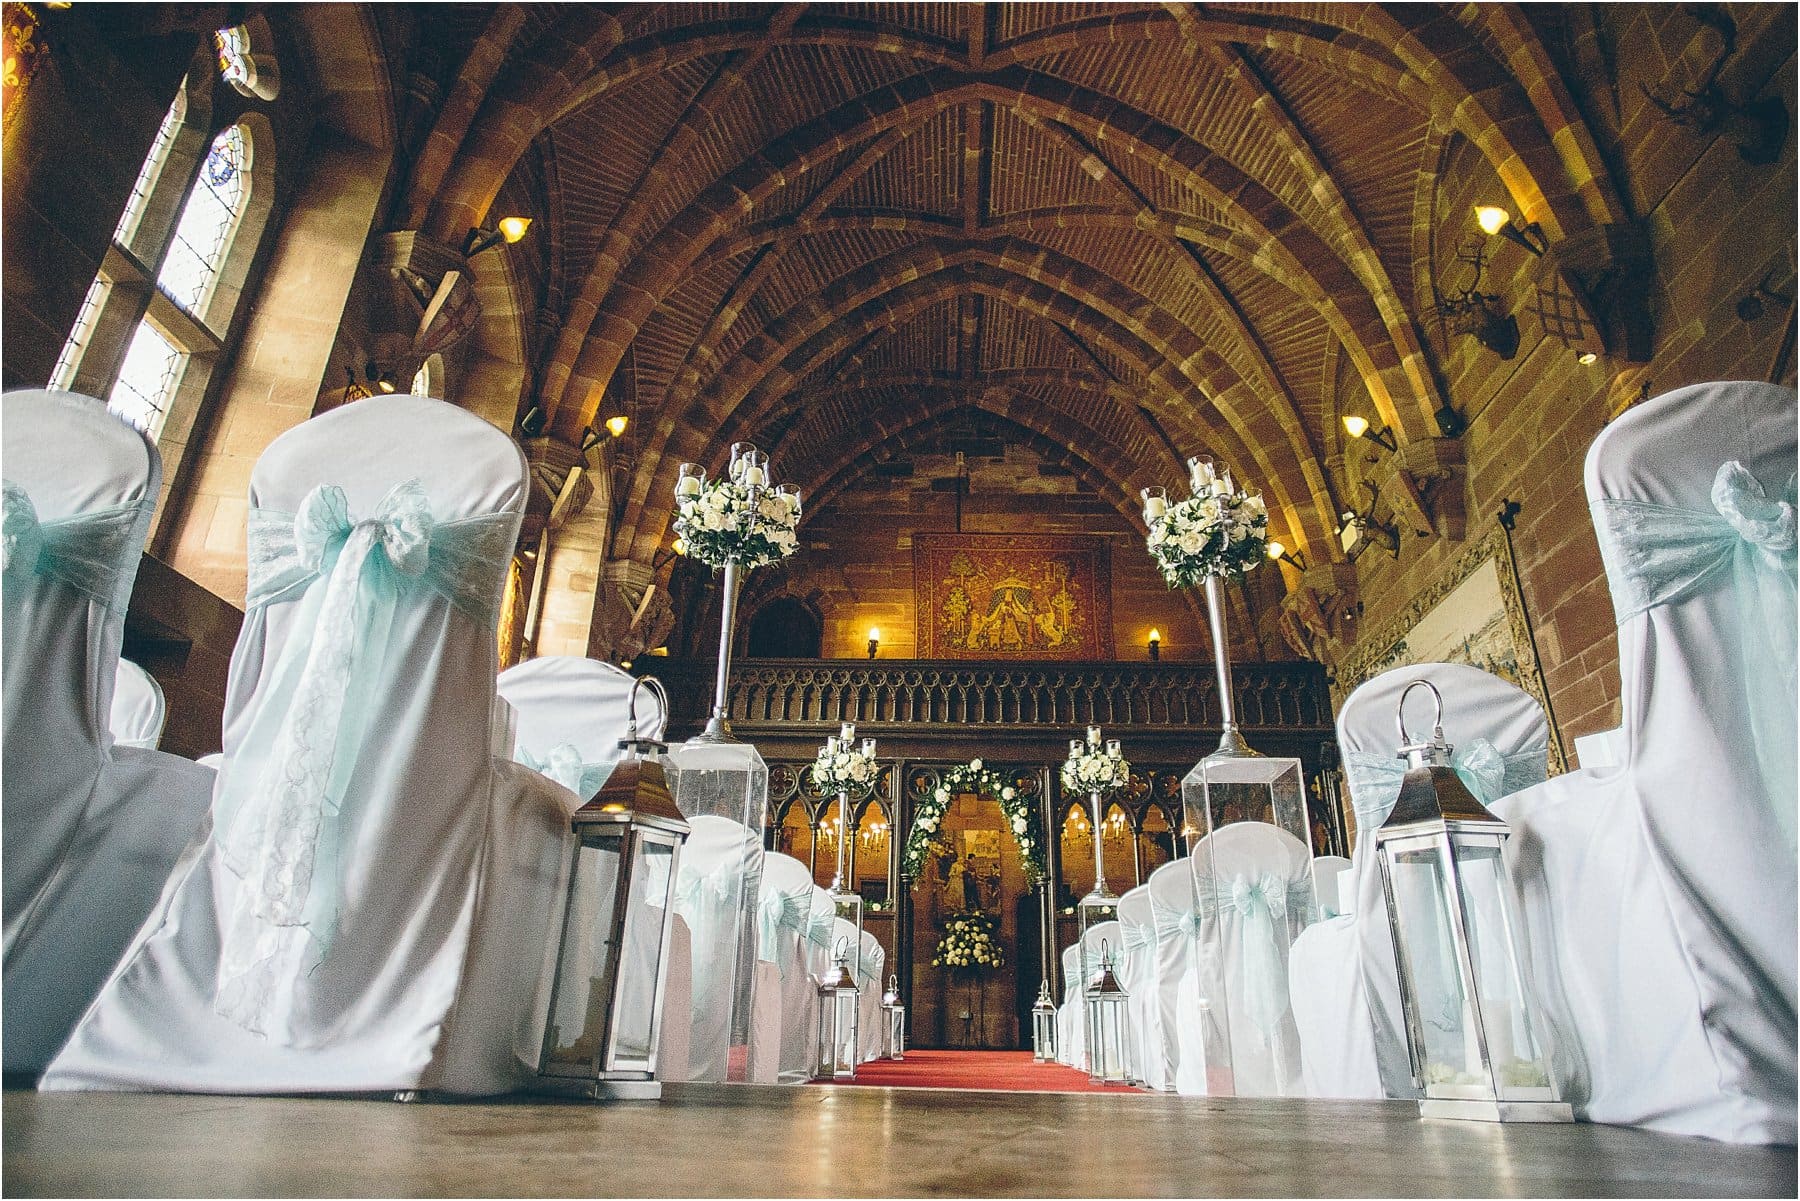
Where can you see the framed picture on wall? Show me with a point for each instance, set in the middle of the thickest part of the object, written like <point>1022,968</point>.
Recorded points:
<point>1473,613</point>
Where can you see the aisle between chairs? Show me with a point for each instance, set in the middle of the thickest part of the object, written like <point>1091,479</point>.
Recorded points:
<point>1003,1071</point>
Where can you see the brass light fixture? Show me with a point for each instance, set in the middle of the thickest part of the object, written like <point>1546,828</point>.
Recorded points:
<point>874,640</point>
<point>484,237</point>
<point>1155,644</point>
<point>1280,553</point>
<point>1495,220</point>
<point>616,425</point>
<point>1358,427</point>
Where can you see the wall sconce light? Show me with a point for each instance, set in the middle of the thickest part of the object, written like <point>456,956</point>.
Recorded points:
<point>483,237</point>
<point>874,640</point>
<point>1450,423</point>
<point>1358,427</point>
<point>590,438</point>
<point>1280,553</point>
<point>1155,644</point>
<point>1495,220</point>
<point>1356,528</point>
<point>616,425</point>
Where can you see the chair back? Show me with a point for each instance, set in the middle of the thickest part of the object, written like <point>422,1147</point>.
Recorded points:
<point>572,712</point>
<point>80,487</point>
<point>1137,973</point>
<point>709,884</point>
<point>1700,560</point>
<point>784,911</point>
<point>1328,875</point>
<point>1479,708</point>
<point>1253,890</point>
<point>138,709</point>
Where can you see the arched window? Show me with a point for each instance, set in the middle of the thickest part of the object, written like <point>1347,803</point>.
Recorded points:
<point>785,629</point>
<point>235,65</point>
<point>208,221</point>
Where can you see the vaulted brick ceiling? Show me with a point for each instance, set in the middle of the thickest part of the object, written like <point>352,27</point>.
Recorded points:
<point>1137,231</point>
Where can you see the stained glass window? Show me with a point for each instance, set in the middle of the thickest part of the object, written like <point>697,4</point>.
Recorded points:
<point>233,47</point>
<point>207,222</point>
<point>70,358</point>
<point>421,385</point>
<point>147,380</point>
<point>152,168</point>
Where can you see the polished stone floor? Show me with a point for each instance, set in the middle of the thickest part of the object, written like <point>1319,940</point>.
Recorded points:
<point>745,1141</point>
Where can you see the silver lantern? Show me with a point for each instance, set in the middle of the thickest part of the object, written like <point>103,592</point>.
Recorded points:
<point>893,1013</point>
<point>1474,1034</point>
<point>835,1051</point>
<point>1043,1026</point>
<point>604,1021</point>
<point>1108,1026</point>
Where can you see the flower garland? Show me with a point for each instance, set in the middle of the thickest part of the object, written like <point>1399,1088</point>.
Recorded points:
<point>718,525</point>
<point>1020,813</point>
<point>970,942</point>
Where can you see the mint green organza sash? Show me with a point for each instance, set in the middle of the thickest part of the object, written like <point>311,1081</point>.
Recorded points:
<point>279,814</point>
<point>776,912</point>
<point>1660,555</point>
<point>94,553</point>
<point>563,764</point>
<point>1262,903</point>
<point>1374,780</point>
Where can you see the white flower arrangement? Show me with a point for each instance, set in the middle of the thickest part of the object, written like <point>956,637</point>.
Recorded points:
<point>1016,808</point>
<point>1095,769</point>
<point>845,768</point>
<point>724,520</point>
<point>969,944</point>
<point>1218,531</point>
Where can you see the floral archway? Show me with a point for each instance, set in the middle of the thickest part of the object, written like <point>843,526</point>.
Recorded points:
<point>977,779</point>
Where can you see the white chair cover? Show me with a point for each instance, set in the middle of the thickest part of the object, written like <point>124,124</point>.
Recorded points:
<point>92,828</point>
<point>1253,885</point>
<point>1351,1021</point>
<point>1070,1015</point>
<point>1330,886</point>
<point>1183,960</point>
<point>138,709</point>
<point>572,712</point>
<point>714,863</point>
<point>1137,972</point>
<point>784,913</point>
<point>871,978</point>
<point>1660,894</point>
<point>371,910</point>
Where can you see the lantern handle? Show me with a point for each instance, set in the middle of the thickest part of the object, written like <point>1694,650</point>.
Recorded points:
<point>1437,720</point>
<point>662,696</point>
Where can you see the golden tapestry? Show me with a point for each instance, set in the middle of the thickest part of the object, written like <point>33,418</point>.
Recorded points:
<point>1012,596</point>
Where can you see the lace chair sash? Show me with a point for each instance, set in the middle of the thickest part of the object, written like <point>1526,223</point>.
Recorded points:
<point>1139,938</point>
<point>1169,923</point>
<point>821,925</point>
<point>563,764</point>
<point>1374,780</point>
<point>776,912</point>
<point>1263,903</point>
<point>1659,555</point>
<point>278,812</point>
<point>94,553</point>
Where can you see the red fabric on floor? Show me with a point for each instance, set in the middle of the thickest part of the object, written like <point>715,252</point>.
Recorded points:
<point>1008,1071</point>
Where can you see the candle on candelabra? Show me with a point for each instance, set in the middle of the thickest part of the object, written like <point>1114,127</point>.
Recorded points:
<point>1075,748</point>
<point>691,480</point>
<point>1156,502</point>
<point>1093,735</point>
<point>847,732</point>
<point>1112,748</point>
<point>868,748</point>
<point>1200,474</point>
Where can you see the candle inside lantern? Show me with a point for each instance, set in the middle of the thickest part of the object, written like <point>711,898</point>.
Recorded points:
<point>693,476</point>
<point>1200,473</point>
<point>1075,748</point>
<point>868,748</point>
<point>847,732</point>
<point>753,476</point>
<point>1156,503</point>
<point>1113,750</point>
<point>831,745</point>
<point>1093,735</point>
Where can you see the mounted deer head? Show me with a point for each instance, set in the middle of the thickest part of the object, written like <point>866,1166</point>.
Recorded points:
<point>1759,129</point>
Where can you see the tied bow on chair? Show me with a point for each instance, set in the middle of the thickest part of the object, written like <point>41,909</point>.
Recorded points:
<point>564,765</point>
<point>1260,902</point>
<point>1660,555</point>
<point>277,817</point>
<point>94,553</point>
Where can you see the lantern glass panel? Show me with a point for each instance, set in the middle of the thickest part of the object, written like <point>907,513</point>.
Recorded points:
<point>586,964</point>
<point>1223,789</point>
<point>730,779</point>
<point>1107,1032</point>
<point>1520,1065</point>
<point>894,1046</point>
<point>1043,1035</point>
<point>640,960</point>
<point>836,1047</point>
<point>1431,977</point>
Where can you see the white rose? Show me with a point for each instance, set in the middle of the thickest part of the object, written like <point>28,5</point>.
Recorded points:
<point>717,500</point>
<point>942,796</point>
<point>974,765</point>
<point>1191,542</point>
<point>1008,793</point>
<point>714,520</point>
<point>1210,509</point>
<point>1018,825</point>
<point>1256,504</point>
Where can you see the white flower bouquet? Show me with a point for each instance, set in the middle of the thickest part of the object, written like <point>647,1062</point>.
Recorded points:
<point>724,520</point>
<point>1095,771</point>
<point>1218,531</point>
<point>842,766</point>
<point>969,944</point>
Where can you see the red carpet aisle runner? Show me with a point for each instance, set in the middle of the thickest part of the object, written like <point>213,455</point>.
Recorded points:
<point>1008,1071</point>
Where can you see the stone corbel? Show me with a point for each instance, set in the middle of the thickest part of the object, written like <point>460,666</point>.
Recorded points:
<point>631,613</point>
<point>561,487</point>
<point>1595,287</point>
<point>1317,612</point>
<point>424,297</point>
<point>1424,483</point>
